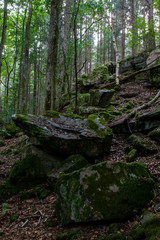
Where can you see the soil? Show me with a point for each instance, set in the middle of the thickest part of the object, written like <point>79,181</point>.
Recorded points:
<point>32,215</point>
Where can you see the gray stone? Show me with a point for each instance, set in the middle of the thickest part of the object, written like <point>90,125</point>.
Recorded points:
<point>152,60</point>
<point>103,192</point>
<point>100,98</point>
<point>65,136</point>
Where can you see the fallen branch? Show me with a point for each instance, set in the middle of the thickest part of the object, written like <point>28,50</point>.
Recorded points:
<point>110,85</point>
<point>124,118</point>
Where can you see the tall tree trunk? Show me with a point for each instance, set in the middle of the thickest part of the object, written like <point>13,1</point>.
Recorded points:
<point>26,60</point>
<point>19,100</point>
<point>151,36</point>
<point>134,27</point>
<point>15,63</point>
<point>50,101</point>
<point>123,29</point>
<point>3,38</point>
<point>35,80</point>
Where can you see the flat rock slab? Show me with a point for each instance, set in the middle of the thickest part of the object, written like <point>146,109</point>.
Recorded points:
<point>100,98</point>
<point>103,192</point>
<point>64,135</point>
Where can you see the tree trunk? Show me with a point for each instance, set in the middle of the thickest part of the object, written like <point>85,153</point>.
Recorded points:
<point>151,36</point>
<point>123,29</point>
<point>50,101</point>
<point>25,70</point>
<point>3,38</point>
<point>134,27</point>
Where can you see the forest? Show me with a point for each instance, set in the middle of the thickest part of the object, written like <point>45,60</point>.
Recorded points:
<point>80,119</point>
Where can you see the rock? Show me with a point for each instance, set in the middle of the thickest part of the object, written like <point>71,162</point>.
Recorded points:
<point>132,155</point>
<point>100,98</point>
<point>152,60</point>
<point>103,192</point>
<point>129,95</point>
<point>145,123</point>
<point>144,146</point>
<point>33,166</point>
<point>133,63</point>
<point>150,229</point>
<point>66,136</point>
<point>87,110</point>
<point>72,163</point>
<point>155,134</point>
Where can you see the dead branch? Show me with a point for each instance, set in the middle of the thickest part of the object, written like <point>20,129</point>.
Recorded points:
<point>125,117</point>
<point>124,79</point>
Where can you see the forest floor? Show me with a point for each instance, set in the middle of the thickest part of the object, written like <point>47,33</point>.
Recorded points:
<point>32,215</point>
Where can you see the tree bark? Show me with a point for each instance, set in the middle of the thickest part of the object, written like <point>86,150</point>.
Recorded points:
<point>151,35</point>
<point>25,68</point>
<point>50,101</point>
<point>3,38</point>
<point>134,27</point>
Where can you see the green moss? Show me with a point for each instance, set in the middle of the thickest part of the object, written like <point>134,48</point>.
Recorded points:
<point>98,125</point>
<point>12,129</point>
<point>38,191</point>
<point>132,155</point>
<point>155,134</point>
<point>83,98</point>
<point>70,235</point>
<point>116,236</point>
<point>52,114</point>
<point>128,106</point>
<point>143,146</point>
<point>138,233</point>
<point>110,196</point>
<point>22,117</point>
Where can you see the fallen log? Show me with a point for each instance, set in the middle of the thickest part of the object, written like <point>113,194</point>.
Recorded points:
<point>125,117</point>
<point>124,79</point>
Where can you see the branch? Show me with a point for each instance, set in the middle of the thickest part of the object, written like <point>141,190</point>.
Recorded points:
<point>122,119</point>
<point>110,85</point>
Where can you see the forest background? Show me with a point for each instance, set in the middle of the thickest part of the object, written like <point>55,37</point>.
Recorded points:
<point>45,46</point>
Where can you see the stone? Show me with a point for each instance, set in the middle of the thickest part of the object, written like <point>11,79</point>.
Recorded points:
<point>132,155</point>
<point>152,60</point>
<point>66,136</point>
<point>72,163</point>
<point>143,145</point>
<point>133,63</point>
<point>100,98</point>
<point>103,192</point>
<point>155,134</point>
<point>144,123</point>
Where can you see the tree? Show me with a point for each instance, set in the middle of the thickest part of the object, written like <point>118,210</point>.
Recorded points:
<point>151,34</point>
<point>3,38</point>
<point>50,101</point>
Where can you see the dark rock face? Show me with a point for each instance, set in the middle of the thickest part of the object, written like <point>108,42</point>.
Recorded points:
<point>154,75</point>
<point>65,136</point>
<point>103,192</point>
<point>133,63</point>
<point>100,98</point>
<point>144,123</point>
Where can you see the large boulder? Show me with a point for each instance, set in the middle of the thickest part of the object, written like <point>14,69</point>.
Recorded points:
<point>103,192</point>
<point>152,60</point>
<point>66,136</point>
<point>100,98</point>
<point>133,63</point>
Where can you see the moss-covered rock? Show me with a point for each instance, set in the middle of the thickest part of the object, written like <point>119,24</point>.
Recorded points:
<point>116,236</point>
<point>101,98</point>
<point>12,129</point>
<point>103,192</point>
<point>144,146</point>
<point>155,134</point>
<point>132,155</point>
<point>99,126</point>
<point>70,235</point>
<point>65,136</point>
<point>150,229</point>
<point>71,164</point>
